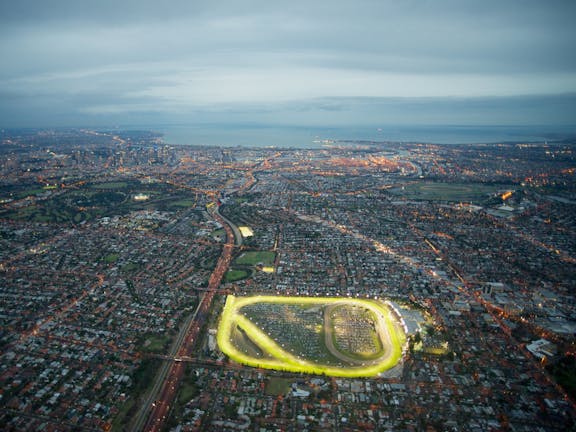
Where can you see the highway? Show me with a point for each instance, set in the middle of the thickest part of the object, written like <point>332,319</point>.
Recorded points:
<point>138,422</point>
<point>171,373</point>
<point>235,230</point>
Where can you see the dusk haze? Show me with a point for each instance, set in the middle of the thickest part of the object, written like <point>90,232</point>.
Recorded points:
<point>301,63</point>
<point>297,216</point>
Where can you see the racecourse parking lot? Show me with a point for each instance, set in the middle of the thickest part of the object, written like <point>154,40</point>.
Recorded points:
<point>329,336</point>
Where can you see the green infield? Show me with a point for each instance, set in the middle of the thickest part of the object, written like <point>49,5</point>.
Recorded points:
<point>342,337</point>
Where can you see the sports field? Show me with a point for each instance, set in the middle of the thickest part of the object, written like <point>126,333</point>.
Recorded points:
<point>327,336</point>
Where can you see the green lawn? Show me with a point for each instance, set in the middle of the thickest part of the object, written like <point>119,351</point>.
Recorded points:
<point>219,233</point>
<point>110,185</point>
<point>278,386</point>
<point>155,343</point>
<point>188,390</point>
<point>234,275</point>
<point>130,267</point>
<point>437,191</point>
<point>111,258</point>
<point>182,203</point>
<point>47,212</point>
<point>253,258</point>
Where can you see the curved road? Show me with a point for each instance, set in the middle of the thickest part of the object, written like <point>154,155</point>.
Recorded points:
<point>237,234</point>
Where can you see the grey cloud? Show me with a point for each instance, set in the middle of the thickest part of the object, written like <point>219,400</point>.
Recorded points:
<point>519,110</point>
<point>131,57</point>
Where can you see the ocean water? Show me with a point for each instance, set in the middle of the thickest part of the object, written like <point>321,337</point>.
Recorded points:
<point>313,137</point>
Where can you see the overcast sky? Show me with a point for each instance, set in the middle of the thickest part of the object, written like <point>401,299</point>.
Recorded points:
<point>84,62</point>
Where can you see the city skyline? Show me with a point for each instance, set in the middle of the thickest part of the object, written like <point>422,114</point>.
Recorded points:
<point>357,286</point>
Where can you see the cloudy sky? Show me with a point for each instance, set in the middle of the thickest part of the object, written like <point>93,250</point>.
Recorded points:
<point>114,62</point>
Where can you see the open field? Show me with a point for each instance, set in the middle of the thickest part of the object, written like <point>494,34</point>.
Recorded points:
<point>234,275</point>
<point>278,386</point>
<point>324,336</point>
<point>110,185</point>
<point>254,258</point>
<point>436,191</point>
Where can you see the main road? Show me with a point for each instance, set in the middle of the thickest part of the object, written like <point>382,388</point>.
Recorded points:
<point>227,223</point>
<point>137,422</point>
<point>172,373</point>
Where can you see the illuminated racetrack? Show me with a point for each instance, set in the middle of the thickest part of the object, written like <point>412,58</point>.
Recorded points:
<point>356,337</point>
